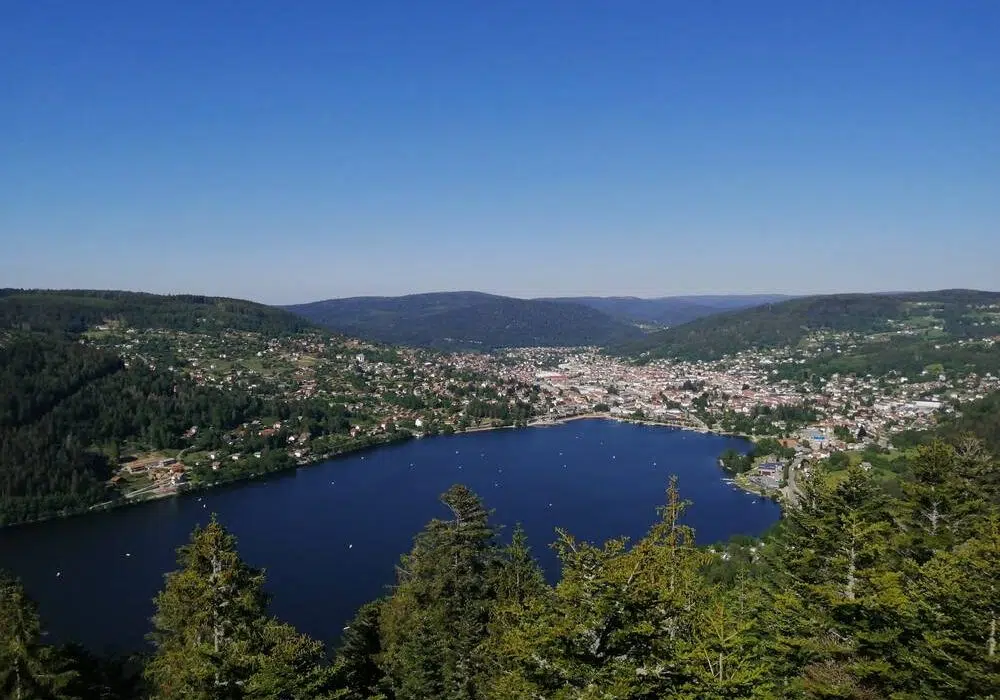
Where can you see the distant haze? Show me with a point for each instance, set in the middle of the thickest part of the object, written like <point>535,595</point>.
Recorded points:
<point>288,152</point>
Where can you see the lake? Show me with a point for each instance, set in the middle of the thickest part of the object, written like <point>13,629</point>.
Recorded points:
<point>330,535</point>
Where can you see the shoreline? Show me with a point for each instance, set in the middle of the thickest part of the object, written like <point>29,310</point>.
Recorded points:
<point>542,423</point>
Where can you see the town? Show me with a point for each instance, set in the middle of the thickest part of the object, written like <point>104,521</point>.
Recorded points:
<point>382,394</point>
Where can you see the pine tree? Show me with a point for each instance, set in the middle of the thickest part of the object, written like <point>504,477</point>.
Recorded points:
<point>433,625</point>
<point>357,674</point>
<point>837,604</point>
<point>729,658</point>
<point>941,504</point>
<point>103,678</point>
<point>518,577</point>
<point>29,670</point>
<point>619,623</point>
<point>287,664</point>
<point>957,651</point>
<point>212,634</point>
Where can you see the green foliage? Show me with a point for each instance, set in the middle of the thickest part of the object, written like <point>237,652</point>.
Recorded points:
<point>620,623</point>
<point>61,400</point>
<point>29,670</point>
<point>436,620</point>
<point>103,678</point>
<point>736,462</point>
<point>957,609</point>
<point>357,673</point>
<point>979,418</point>
<point>213,637</point>
<point>834,624</point>
<point>854,595</point>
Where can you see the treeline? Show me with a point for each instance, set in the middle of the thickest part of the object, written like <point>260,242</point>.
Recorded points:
<point>516,412</point>
<point>761,420</point>
<point>855,595</point>
<point>74,311</point>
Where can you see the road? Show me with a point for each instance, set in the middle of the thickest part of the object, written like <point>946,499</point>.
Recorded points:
<point>791,491</point>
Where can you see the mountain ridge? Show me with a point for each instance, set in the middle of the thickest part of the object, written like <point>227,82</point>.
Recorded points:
<point>670,310</point>
<point>467,320</point>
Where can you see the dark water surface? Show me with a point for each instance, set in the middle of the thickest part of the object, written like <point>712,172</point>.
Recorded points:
<point>598,479</point>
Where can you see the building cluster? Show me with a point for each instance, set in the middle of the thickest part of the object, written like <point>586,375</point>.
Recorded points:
<point>383,390</point>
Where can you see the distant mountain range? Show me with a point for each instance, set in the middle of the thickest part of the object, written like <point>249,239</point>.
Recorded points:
<point>474,320</point>
<point>468,320</point>
<point>945,314</point>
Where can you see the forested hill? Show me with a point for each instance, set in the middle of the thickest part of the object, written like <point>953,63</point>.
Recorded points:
<point>73,311</point>
<point>942,315</point>
<point>674,310</point>
<point>468,320</point>
<point>68,408</point>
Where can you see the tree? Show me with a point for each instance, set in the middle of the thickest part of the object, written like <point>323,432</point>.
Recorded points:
<point>941,506</point>
<point>287,664</point>
<point>837,604</point>
<point>728,659</point>
<point>434,623</point>
<point>212,634</point>
<point>103,678</point>
<point>356,670</point>
<point>29,670</point>
<point>619,624</point>
<point>518,576</point>
<point>956,651</point>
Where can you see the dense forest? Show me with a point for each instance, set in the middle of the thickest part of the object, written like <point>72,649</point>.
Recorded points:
<point>61,399</point>
<point>468,320</point>
<point>66,409</point>
<point>788,322</point>
<point>856,594</point>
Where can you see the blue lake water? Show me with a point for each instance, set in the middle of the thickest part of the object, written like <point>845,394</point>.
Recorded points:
<point>331,534</point>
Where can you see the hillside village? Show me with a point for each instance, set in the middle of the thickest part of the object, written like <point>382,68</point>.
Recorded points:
<point>381,394</point>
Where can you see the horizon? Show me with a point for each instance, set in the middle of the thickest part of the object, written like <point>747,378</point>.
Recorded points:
<point>693,295</point>
<point>309,152</point>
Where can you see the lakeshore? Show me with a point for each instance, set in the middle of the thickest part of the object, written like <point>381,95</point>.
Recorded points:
<point>595,478</point>
<point>174,491</point>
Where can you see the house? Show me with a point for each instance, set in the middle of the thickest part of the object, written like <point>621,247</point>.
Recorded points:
<point>771,469</point>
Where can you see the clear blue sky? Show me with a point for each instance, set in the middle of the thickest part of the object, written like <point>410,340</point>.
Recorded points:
<point>290,151</point>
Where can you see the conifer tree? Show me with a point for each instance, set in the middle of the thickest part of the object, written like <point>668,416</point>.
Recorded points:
<point>957,651</point>
<point>729,658</point>
<point>435,622</point>
<point>212,634</point>
<point>837,604</point>
<point>285,663</point>
<point>941,504</point>
<point>518,577</point>
<point>103,677</point>
<point>618,624</point>
<point>357,674</point>
<point>29,670</point>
